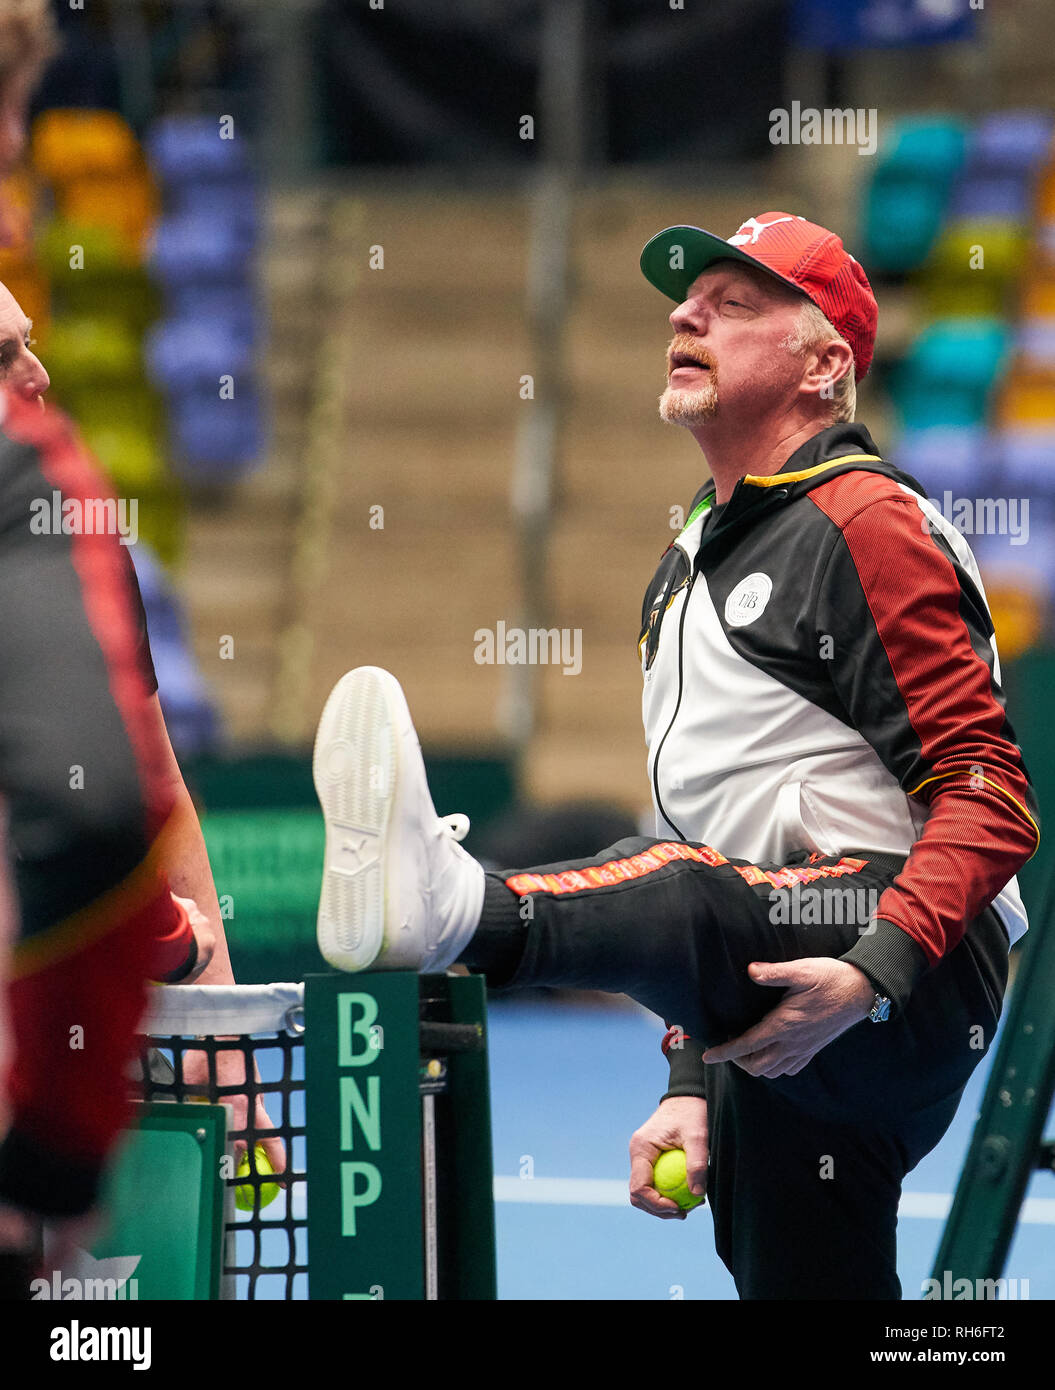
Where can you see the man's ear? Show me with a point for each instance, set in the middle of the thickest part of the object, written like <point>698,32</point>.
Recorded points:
<point>826,366</point>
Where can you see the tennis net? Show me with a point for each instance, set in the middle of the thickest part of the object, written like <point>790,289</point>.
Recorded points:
<point>241,1046</point>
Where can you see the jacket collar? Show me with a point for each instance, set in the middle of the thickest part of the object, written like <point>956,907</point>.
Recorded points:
<point>840,448</point>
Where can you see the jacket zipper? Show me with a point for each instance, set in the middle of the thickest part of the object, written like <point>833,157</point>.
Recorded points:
<point>677,705</point>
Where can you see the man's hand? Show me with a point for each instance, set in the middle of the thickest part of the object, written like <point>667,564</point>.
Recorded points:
<point>203,935</point>
<point>679,1123</point>
<point>824,998</point>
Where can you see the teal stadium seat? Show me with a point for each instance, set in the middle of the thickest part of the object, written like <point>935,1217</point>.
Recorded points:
<point>906,200</point>
<point>949,373</point>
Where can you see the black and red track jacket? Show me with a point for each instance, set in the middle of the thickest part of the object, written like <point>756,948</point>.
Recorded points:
<point>820,673</point>
<point>96,920</point>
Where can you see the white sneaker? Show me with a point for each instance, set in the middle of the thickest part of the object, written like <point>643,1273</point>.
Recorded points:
<point>398,891</point>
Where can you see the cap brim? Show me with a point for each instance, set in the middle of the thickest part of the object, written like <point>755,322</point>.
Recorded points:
<point>692,250</point>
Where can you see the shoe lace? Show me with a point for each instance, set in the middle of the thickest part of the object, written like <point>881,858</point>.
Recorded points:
<point>455,825</point>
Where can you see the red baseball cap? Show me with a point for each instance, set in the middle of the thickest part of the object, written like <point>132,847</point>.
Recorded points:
<point>802,255</point>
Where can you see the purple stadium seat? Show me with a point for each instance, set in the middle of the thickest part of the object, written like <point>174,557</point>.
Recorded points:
<point>1006,198</point>
<point>1011,140</point>
<point>216,440</point>
<point>197,250</point>
<point>945,458</point>
<point>196,352</point>
<point>185,149</point>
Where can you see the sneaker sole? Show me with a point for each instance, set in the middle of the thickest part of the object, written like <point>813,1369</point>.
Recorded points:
<point>355,768</point>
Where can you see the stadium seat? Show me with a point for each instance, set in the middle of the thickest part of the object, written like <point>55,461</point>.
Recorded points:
<point>191,716</point>
<point>24,279</point>
<point>1018,603</point>
<point>132,405</point>
<point>215,440</point>
<point>1035,344</point>
<point>902,220</point>
<point>906,198</point>
<point>973,269</point>
<point>93,352</point>
<point>993,197</point>
<point>1011,140</point>
<point>196,352</point>
<point>925,147</point>
<point>958,459</point>
<point>131,457</point>
<point>1027,399</point>
<point>186,149</point>
<point>69,144</point>
<point>235,203</point>
<point>127,203</point>
<point>196,250</point>
<point>1027,460</point>
<point>235,305</point>
<point>1029,564</point>
<point>949,373</point>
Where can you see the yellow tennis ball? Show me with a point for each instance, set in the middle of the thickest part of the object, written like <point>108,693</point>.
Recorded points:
<point>668,1178</point>
<point>245,1195</point>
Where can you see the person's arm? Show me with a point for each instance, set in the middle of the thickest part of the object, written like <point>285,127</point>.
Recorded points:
<point>688,1073</point>
<point>910,658</point>
<point>186,860</point>
<point>186,864</point>
<point>913,665</point>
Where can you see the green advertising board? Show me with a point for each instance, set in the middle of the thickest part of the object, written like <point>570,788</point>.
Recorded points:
<point>164,1207</point>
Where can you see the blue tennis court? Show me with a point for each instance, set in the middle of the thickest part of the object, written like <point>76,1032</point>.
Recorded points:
<point>571,1083</point>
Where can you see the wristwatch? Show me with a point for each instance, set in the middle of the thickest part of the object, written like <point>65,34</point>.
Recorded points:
<point>880,1010</point>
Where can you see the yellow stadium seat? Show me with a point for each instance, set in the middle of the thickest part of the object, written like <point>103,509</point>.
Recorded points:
<point>127,203</point>
<point>1038,298</point>
<point>68,144</point>
<point>131,458</point>
<point>1018,613</point>
<point>1027,398</point>
<point>950,299</point>
<point>1045,206</point>
<point>31,291</point>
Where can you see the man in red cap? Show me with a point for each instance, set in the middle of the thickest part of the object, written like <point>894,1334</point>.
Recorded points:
<point>841,805</point>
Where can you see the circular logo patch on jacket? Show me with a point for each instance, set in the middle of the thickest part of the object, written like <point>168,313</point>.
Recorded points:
<point>748,600</point>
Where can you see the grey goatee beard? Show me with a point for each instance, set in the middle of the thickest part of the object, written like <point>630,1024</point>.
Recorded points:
<point>689,407</point>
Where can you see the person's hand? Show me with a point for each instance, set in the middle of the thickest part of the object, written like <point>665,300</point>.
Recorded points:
<point>203,935</point>
<point>230,1071</point>
<point>679,1123</point>
<point>824,997</point>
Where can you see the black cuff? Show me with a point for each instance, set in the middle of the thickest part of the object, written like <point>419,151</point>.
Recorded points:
<point>688,1072</point>
<point>892,961</point>
<point>174,976</point>
<point>42,1181</point>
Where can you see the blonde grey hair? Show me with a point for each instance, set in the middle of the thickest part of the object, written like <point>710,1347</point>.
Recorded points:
<point>813,331</point>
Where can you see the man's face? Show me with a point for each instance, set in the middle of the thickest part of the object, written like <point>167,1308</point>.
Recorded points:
<point>20,370</point>
<point>728,348</point>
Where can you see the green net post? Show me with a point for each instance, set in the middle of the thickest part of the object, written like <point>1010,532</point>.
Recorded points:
<point>396,1076</point>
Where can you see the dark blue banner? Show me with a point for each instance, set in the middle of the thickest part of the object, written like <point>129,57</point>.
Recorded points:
<point>838,24</point>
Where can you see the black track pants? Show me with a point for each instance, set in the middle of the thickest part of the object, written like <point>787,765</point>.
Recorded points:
<point>805,1171</point>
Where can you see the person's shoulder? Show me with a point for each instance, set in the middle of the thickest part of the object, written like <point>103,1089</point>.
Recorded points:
<point>884,494</point>
<point>48,440</point>
<point>24,423</point>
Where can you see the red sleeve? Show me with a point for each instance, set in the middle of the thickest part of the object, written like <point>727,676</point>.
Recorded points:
<point>914,666</point>
<point>175,938</point>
